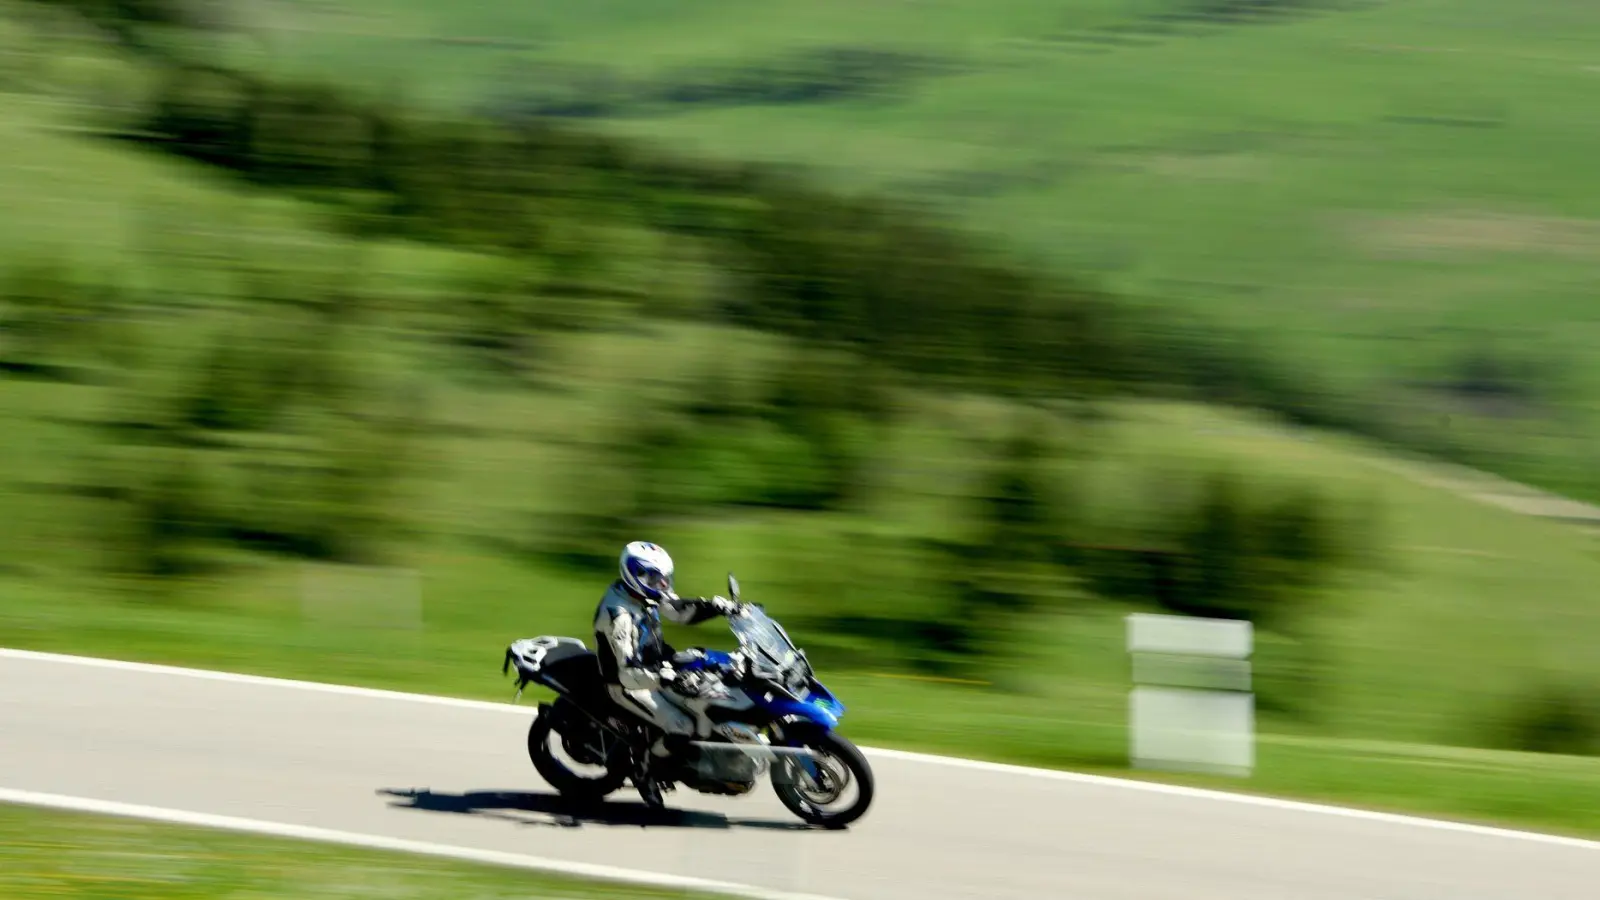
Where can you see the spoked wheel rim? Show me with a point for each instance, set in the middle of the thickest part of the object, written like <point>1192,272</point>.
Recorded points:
<point>828,790</point>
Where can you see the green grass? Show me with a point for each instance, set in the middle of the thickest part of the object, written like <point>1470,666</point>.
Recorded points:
<point>46,853</point>
<point>1377,189</point>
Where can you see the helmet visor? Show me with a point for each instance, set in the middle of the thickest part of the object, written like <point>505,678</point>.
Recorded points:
<point>655,580</point>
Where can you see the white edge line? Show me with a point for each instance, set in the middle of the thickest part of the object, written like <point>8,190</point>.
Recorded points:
<point>376,842</point>
<point>885,753</point>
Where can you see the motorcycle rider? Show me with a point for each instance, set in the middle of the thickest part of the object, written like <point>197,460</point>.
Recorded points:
<point>637,663</point>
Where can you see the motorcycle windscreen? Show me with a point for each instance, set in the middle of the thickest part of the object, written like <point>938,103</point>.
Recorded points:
<point>774,651</point>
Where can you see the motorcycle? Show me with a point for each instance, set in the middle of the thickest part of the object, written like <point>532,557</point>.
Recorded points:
<point>776,720</point>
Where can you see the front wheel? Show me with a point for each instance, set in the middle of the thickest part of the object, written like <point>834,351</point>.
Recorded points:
<point>569,778</point>
<point>819,789</point>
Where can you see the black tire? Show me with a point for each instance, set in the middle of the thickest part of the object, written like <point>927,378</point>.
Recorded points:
<point>555,772</point>
<point>829,744</point>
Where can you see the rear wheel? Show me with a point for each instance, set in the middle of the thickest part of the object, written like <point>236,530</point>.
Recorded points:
<point>600,766</point>
<point>832,788</point>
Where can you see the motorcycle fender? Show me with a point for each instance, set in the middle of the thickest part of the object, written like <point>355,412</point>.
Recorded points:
<point>786,710</point>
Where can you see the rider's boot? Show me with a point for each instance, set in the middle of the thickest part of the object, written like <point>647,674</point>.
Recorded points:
<point>648,760</point>
<point>649,788</point>
<point>643,777</point>
<point>659,757</point>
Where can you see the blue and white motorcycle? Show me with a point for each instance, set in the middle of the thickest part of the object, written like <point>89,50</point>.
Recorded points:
<point>781,722</point>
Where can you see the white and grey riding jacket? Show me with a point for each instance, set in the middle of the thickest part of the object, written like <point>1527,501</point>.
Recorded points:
<point>628,635</point>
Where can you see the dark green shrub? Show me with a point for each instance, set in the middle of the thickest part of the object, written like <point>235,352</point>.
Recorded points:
<point>51,318</point>
<point>1232,551</point>
<point>494,318</point>
<point>1551,716</point>
<point>203,113</point>
<point>166,512</point>
<point>308,134</point>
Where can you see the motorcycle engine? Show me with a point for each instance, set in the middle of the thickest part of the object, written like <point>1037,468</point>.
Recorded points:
<point>730,770</point>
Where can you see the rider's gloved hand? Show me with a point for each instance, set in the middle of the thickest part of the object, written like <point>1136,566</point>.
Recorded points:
<point>692,684</point>
<point>684,683</point>
<point>724,606</point>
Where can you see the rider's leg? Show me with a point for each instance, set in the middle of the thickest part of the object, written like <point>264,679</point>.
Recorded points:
<point>658,709</point>
<point>697,706</point>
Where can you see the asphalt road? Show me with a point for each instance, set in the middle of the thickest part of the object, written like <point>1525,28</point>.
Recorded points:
<point>458,775</point>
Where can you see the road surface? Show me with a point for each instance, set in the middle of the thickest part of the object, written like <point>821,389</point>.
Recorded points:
<point>456,773</point>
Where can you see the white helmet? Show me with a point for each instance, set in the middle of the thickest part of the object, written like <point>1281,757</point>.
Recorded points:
<point>646,570</point>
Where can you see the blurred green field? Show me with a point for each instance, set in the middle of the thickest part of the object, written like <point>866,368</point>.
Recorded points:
<point>45,853</point>
<point>1395,194</point>
<point>1478,608</point>
<point>1472,605</point>
<point>1473,613</point>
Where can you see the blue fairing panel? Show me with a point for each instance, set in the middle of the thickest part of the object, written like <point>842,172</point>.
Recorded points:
<point>826,697</point>
<point>815,712</point>
<point>820,707</point>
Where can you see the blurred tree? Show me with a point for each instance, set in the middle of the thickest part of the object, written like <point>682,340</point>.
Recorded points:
<point>52,319</point>
<point>232,392</point>
<point>495,307</point>
<point>202,112</point>
<point>1007,565</point>
<point>307,134</point>
<point>139,23</point>
<point>167,513</point>
<point>1229,551</point>
<point>1552,715</point>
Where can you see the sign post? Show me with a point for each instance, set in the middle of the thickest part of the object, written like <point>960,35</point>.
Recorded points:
<point>1192,707</point>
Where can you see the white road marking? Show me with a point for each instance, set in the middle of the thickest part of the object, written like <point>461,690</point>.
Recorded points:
<point>1247,799</point>
<point>260,680</point>
<point>375,842</point>
<point>907,756</point>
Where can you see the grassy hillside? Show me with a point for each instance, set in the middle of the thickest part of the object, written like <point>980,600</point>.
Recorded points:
<point>163,500</point>
<point>1391,192</point>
